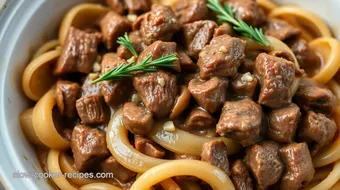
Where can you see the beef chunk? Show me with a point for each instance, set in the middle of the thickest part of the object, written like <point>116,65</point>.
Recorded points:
<point>215,153</point>
<point>114,92</point>
<point>79,52</point>
<point>222,57</point>
<point>185,61</point>
<point>199,119</point>
<point>241,121</point>
<point>92,109</point>
<point>110,165</point>
<point>313,96</point>
<point>244,85</point>
<point>305,56</point>
<point>209,94</point>
<point>88,88</point>
<point>188,11</point>
<point>159,49</point>
<point>148,147</point>
<point>137,42</point>
<point>158,91</point>
<point>196,35</point>
<point>225,28</point>
<point>112,26</point>
<point>138,6</point>
<point>280,29</point>
<point>117,5</point>
<point>276,78</point>
<point>299,166</point>
<point>317,128</point>
<point>88,145</point>
<point>264,161</point>
<point>240,176</point>
<point>66,95</point>
<point>248,64</point>
<point>283,123</point>
<point>158,24</point>
<point>248,11</point>
<point>137,119</point>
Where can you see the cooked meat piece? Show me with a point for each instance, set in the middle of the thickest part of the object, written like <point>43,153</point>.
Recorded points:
<point>113,26</point>
<point>118,91</point>
<point>79,52</point>
<point>264,161</point>
<point>248,64</point>
<point>137,119</point>
<point>159,49</point>
<point>199,119</point>
<point>215,153</point>
<point>66,133</point>
<point>92,109</point>
<point>317,128</point>
<point>148,147</point>
<point>240,176</point>
<point>248,11</point>
<point>138,6</point>
<point>158,91</point>
<point>110,165</point>
<point>276,78</point>
<point>314,96</point>
<point>209,94</point>
<point>244,85</point>
<point>299,166</point>
<point>222,57</point>
<point>136,40</point>
<point>283,123</point>
<point>196,35</point>
<point>185,61</point>
<point>225,28</point>
<point>305,56</point>
<point>117,5</point>
<point>188,11</point>
<point>158,24</point>
<point>88,88</point>
<point>67,93</point>
<point>88,145</point>
<point>280,29</point>
<point>241,121</point>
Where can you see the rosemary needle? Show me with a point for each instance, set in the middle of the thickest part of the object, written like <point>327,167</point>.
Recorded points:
<point>126,42</point>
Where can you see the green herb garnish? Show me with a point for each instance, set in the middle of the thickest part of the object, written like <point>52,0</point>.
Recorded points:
<point>225,14</point>
<point>144,66</point>
<point>126,42</point>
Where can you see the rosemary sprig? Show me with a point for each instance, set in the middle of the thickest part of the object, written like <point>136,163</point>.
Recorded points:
<point>144,66</point>
<point>225,14</point>
<point>126,42</point>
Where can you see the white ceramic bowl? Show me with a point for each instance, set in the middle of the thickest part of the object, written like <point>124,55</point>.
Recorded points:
<point>26,24</point>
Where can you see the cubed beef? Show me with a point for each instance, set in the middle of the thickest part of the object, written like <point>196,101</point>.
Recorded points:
<point>137,119</point>
<point>317,128</point>
<point>92,109</point>
<point>158,24</point>
<point>185,61</point>
<point>215,153</point>
<point>118,91</point>
<point>148,147</point>
<point>264,161</point>
<point>314,96</point>
<point>199,119</point>
<point>283,123</point>
<point>113,26</point>
<point>224,28</point>
<point>196,35</point>
<point>88,88</point>
<point>299,166</point>
<point>158,91</point>
<point>209,94</point>
<point>160,49</point>
<point>277,76</point>
<point>188,11</point>
<point>248,11</point>
<point>88,145</point>
<point>244,85</point>
<point>222,57</point>
<point>240,176</point>
<point>66,133</point>
<point>241,121</point>
<point>280,29</point>
<point>110,165</point>
<point>137,42</point>
<point>79,52</point>
<point>138,6</point>
<point>305,56</point>
<point>117,5</point>
<point>66,95</point>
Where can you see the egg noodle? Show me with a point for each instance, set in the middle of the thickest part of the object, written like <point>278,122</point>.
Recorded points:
<point>37,122</point>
